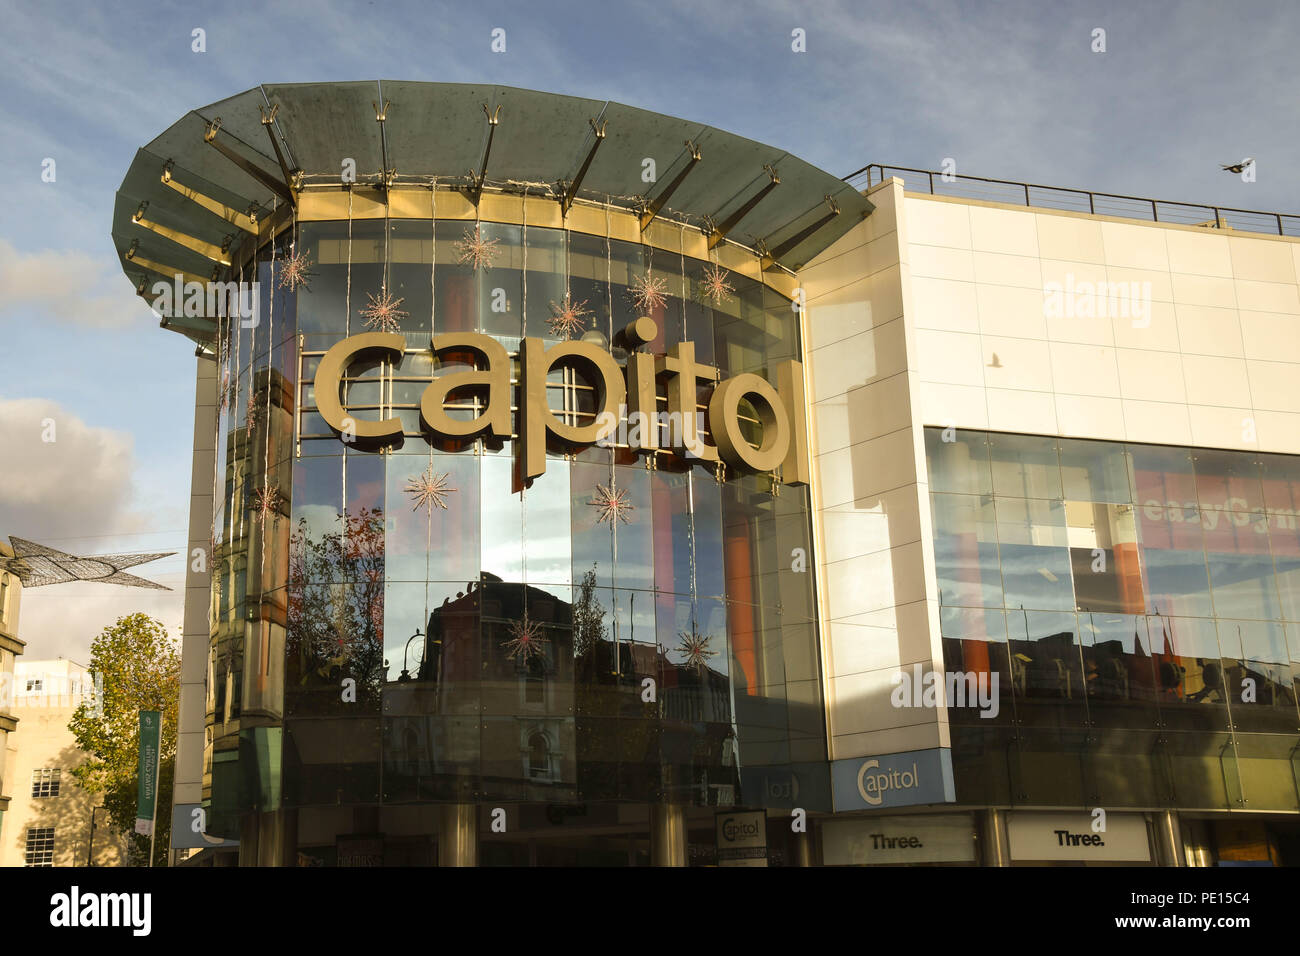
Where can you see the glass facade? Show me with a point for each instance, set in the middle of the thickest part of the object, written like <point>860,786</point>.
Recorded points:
<point>1139,608</point>
<point>512,645</point>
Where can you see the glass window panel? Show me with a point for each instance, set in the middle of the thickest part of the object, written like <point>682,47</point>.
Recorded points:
<point>966,550</point>
<point>698,318</point>
<point>1227,480</point>
<point>1104,557</point>
<point>503,515</point>
<point>1095,471</point>
<point>634,537</point>
<point>672,542</point>
<point>1280,476</point>
<point>500,284</point>
<point>1241,566</point>
<point>548,557</point>
<point>426,541</point>
<point>455,283</point>
<point>546,283</point>
<point>1035,557</point>
<point>593,539</point>
<point>1173,559</point>
<point>1163,477</point>
<point>1025,466</point>
<point>410,275</point>
<point>1284,542</point>
<point>1045,657</point>
<point>1189,675</point>
<point>707,554</point>
<point>589,282</point>
<point>960,465</point>
<point>1119,668</point>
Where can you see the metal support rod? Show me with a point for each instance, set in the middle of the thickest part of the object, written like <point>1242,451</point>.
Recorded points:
<point>995,837</point>
<point>385,174</point>
<point>571,193</point>
<point>493,118</point>
<point>268,181</point>
<point>268,120</point>
<point>652,209</point>
<point>458,834</point>
<point>1169,840</point>
<point>770,259</point>
<point>720,232</point>
<point>667,834</point>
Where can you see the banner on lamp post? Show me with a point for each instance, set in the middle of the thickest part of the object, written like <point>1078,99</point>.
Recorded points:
<point>147,771</point>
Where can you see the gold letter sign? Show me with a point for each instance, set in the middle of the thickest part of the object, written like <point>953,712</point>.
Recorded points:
<point>778,411</point>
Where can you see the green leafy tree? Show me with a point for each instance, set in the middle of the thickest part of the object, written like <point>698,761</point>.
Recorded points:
<point>140,668</point>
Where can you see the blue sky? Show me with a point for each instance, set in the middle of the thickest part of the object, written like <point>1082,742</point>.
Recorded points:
<point>1008,90</point>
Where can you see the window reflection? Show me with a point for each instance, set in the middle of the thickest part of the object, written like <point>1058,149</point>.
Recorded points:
<point>1179,595</point>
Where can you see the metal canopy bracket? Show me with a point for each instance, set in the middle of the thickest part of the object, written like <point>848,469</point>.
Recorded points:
<point>270,182</point>
<point>493,119</point>
<point>268,120</point>
<point>719,232</point>
<point>653,206</point>
<point>219,254</point>
<point>770,259</point>
<point>571,193</point>
<point>245,221</point>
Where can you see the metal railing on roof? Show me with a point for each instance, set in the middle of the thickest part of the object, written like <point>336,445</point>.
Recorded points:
<point>939,183</point>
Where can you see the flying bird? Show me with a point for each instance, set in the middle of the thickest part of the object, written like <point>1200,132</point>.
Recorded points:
<point>1239,167</point>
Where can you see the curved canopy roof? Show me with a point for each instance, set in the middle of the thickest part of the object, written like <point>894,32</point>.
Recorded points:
<point>443,131</point>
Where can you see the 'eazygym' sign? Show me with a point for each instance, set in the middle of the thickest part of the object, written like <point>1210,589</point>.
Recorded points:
<point>780,409</point>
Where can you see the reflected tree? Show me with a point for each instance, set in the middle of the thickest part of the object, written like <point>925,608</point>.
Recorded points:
<point>336,605</point>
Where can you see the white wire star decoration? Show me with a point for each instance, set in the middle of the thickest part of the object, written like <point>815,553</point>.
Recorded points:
<point>474,248</point>
<point>526,640</point>
<point>613,504</point>
<point>566,320</point>
<point>649,292</point>
<point>696,648</point>
<point>429,490</point>
<point>266,501</point>
<point>714,286</point>
<point>295,270</point>
<point>382,311</point>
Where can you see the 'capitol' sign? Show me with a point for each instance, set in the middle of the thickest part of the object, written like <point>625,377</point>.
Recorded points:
<point>779,409</point>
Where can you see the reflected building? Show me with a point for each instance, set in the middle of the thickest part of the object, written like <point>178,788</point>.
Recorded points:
<point>558,515</point>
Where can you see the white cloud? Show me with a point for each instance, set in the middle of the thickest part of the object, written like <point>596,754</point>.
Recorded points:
<point>75,494</point>
<point>69,286</point>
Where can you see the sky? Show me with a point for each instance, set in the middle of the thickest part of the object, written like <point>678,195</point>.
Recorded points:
<point>1006,90</point>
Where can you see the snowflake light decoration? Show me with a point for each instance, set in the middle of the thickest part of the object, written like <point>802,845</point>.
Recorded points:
<point>613,504</point>
<point>266,501</point>
<point>295,271</point>
<point>649,292</point>
<point>714,286</point>
<point>429,490</point>
<point>250,416</point>
<point>696,648</point>
<point>382,312</point>
<point>474,248</point>
<point>566,320</point>
<point>526,640</point>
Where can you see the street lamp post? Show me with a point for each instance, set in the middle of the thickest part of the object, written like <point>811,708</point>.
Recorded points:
<point>90,843</point>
